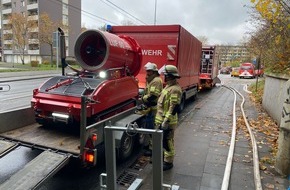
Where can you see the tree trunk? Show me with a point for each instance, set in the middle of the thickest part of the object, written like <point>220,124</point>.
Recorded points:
<point>22,57</point>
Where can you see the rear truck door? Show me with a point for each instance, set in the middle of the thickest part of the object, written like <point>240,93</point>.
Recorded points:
<point>35,172</point>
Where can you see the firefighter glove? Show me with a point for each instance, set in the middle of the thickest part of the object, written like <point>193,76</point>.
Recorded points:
<point>143,109</point>
<point>165,125</point>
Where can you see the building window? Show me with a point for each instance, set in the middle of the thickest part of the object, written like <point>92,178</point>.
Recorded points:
<point>22,3</point>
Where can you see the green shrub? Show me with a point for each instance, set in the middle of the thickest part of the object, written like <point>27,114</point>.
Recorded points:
<point>34,63</point>
<point>257,90</point>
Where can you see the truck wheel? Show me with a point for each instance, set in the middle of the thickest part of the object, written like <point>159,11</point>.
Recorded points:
<point>142,136</point>
<point>126,147</point>
<point>182,103</point>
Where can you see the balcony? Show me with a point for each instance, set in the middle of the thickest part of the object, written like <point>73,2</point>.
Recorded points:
<point>5,21</point>
<point>35,29</point>
<point>33,17</point>
<point>6,2</point>
<point>7,51</point>
<point>7,41</point>
<point>6,11</point>
<point>33,41</point>
<point>33,52</point>
<point>32,6</point>
<point>8,31</point>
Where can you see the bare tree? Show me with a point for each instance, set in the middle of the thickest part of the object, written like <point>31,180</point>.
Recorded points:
<point>46,29</point>
<point>203,39</point>
<point>20,30</point>
<point>127,23</point>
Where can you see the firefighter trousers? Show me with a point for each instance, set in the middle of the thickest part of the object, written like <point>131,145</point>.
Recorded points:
<point>168,145</point>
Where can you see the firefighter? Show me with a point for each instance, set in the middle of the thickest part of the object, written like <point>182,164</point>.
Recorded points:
<point>151,94</point>
<point>166,117</point>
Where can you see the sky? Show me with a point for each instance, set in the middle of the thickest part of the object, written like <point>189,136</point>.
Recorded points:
<point>223,22</point>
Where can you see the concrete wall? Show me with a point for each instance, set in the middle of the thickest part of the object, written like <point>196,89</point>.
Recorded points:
<point>16,119</point>
<point>274,95</point>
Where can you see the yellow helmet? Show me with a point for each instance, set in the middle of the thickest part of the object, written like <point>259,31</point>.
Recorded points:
<point>171,70</point>
<point>151,66</point>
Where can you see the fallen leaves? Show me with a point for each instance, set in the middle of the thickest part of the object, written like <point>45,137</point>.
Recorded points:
<point>266,133</point>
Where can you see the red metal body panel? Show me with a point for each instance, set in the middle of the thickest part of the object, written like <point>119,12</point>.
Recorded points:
<point>119,56</point>
<point>166,44</point>
<point>108,94</point>
<point>96,51</point>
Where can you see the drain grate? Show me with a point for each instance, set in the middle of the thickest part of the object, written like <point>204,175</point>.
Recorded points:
<point>126,178</point>
<point>140,163</point>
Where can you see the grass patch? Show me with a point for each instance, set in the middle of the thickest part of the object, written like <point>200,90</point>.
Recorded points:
<point>26,67</point>
<point>12,70</point>
<point>257,90</point>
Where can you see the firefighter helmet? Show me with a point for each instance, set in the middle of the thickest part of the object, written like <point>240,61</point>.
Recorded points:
<point>171,70</point>
<point>151,66</point>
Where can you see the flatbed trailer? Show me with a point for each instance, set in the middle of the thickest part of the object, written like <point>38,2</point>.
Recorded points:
<point>42,137</point>
<point>60,144</point>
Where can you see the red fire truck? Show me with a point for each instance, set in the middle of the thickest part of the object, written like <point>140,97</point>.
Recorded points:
<point>167,44</point>
<point>209,68</point>
<point>247,70</point>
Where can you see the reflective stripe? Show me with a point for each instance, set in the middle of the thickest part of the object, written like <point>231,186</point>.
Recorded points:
<point>169,155</point>
<point>170,96</point>
<point>153,88</point>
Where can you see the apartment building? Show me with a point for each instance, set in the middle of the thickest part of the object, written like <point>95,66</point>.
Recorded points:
<point>231,53</point>
<point>67,11</point>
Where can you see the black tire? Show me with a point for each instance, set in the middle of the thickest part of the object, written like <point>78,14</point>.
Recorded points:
<point>126,147</point>
<point>182,104</point>
<point>142,136</point>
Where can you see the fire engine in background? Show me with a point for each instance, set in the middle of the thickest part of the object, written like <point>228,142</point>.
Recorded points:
<point>209,68</point>
<point>106,86</point>
<point>247,70</point>
<point>167,44</point>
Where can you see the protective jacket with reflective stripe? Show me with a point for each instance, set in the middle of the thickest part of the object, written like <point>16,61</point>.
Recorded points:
<point>153,88</point>
<point>169,98</point>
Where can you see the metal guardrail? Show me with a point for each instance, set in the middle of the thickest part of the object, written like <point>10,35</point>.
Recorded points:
<point>157,161</point>
<point>109,131</point>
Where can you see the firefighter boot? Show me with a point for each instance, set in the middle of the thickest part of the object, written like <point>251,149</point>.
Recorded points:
<point>167,166</point>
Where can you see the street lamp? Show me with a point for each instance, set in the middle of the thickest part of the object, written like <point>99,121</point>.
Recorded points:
<point>155,12</point>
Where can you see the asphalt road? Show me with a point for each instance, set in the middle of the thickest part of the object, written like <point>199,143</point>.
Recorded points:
<point>18,94</point>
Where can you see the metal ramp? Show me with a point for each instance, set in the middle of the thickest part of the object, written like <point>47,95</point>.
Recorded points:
<point>36,171</point>
<point>6,146</point>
